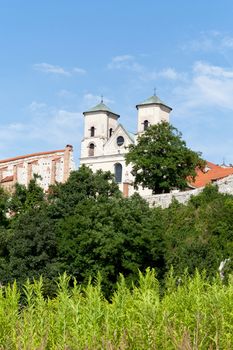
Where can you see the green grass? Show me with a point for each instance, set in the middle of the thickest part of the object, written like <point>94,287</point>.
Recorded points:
<point>196,314</point>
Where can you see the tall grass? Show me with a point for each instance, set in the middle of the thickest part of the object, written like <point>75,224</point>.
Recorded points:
<point>195,314</point>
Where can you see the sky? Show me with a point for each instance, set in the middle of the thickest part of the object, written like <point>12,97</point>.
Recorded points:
<point>58,57</point>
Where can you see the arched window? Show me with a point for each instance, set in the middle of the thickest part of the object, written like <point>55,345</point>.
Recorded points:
<point>92,131</point>
<point>110,132</point>
<point>146,124</point>
<point>118,172</point>
<point>91,150</point>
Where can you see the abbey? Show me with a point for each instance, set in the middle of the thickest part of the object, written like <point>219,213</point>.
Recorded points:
<point>106,141</point>
<point>103,146</point>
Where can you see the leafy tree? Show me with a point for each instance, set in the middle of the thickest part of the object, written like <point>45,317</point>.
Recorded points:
<point>4,198</point>
<point>82,184</point>
<point>85,226</point>
<point>30,247</point>
<point>25,198</point>
<point>199,234</point>
<point>111,237</point>
<point>161,160</point>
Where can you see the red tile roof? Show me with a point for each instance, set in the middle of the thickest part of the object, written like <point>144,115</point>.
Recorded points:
<point>211,173</point>
<point>30,155</point>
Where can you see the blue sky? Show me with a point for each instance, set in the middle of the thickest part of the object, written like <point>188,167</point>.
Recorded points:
<point>57,57</point>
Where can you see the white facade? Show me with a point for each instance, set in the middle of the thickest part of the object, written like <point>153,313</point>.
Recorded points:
<point>106,142</point>
<point>153,114</point>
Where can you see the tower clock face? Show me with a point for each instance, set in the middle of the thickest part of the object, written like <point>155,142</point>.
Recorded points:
<point>120,140</point>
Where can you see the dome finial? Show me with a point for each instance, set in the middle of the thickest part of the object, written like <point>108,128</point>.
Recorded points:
<point>102,98</point>
<point>154,91</point>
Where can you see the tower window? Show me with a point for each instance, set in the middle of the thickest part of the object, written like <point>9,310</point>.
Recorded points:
<point>91,150</point>
<point>146,124</point>
<point>110,132</point>
<point>92,131</point>
<point>118,172</point>
<point>120,140</point>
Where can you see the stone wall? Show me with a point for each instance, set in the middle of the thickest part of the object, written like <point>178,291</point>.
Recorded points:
<point>164,200</point>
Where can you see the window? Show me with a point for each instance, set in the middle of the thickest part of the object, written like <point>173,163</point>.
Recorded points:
<point>146,124</point>
<point>118,172</point>
<point>120,140</point>
<point>91,151</point>
<point>92,131</point>
<point>110,132</point>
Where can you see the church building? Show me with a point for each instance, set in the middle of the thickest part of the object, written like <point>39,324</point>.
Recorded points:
<point>103,146</point>
<point>106,141</point>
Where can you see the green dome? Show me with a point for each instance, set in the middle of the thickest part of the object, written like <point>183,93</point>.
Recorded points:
<point>101,107</point>
<point>153,100</point>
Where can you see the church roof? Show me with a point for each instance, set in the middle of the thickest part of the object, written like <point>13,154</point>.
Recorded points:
<point>31,155</point>
<point>211,173</point>
<point>153,100</point>
<point>101,107</point>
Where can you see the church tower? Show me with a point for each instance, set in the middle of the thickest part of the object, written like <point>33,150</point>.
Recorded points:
<point>99,124</point>
<point>150,112</point>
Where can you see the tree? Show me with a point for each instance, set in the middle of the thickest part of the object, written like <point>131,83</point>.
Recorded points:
<point>118,235</point>
<point>199,234</point>
<point>25,198</point>
<point>4,197</point>
<point>161,160</point>
<point>82,184</point>
<point>29,248</point>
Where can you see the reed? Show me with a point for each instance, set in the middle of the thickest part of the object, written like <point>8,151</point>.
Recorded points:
<point>192,314</point>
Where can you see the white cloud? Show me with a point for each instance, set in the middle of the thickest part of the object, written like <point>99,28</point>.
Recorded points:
<point>15,126</point>
<point>211,86</point>
<point>127,62</point>
<point>211,70</point>
<point>65,93</point>
<point>123,58</point>
<point>91,99</point>
<point>210,41</point>
<point>208,86</point>
<point>79,70</point>
<point>58,127</point>
<point>49,68</point>
<point>227,42</point>
<point>36,106</point>
<point>66,118</point>
<point>202,109</point>
<point>171,74</point>
<point>50,127</point>
<point>58,70</point>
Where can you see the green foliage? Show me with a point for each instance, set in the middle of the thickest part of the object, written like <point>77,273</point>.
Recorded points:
<point>196,314</point>
<point>30,248</point>
<point>85,226</point>
<point>200,235</point>
<point>4,197</point>
<point>25,198</point>
<point>81,185</point>
<point>112,237</point>
<point>161,160</point>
